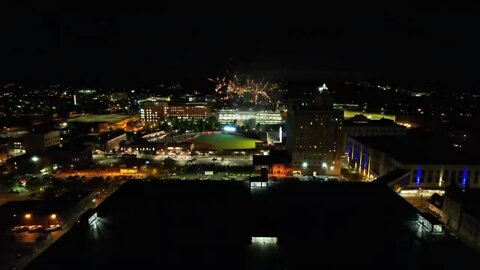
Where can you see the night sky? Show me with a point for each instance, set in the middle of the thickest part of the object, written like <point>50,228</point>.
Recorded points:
<point>127,45</point>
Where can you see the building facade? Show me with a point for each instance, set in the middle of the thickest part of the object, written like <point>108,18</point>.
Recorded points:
<point>231,116</point>
<point>431,165</point>
<point>153,112</point>
<point>314,135</point>
<point>461,213</point>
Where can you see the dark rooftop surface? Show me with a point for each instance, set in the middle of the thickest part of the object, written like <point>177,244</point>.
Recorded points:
<point>470,199</point>
<point>391,177</point>
<point>360,120</point>
<point>274,157</point>
<point>208,225</point>
<point>419,150</point>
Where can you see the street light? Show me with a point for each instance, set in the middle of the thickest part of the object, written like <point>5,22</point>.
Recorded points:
<point>304,165</point>
<point>28,216</point>
<point>35,158</point>
<point>53,216</point>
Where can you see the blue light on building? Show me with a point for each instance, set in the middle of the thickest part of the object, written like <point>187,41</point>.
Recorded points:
<point>365,160</point>
<point>419,173</point>
<point>464,177</point>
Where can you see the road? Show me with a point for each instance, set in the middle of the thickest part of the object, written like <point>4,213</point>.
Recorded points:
<point>239,160</point>
<point>81,207</point>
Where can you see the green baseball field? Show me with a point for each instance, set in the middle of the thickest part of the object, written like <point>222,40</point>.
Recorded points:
<point>225,142</point>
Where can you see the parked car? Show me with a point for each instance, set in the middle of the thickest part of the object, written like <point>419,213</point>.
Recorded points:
<point>53,228</point>
<point>36,228</point>
<point>19,229</point>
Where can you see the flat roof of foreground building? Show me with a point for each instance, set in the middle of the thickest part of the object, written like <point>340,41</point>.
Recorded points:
<point>223,225</point>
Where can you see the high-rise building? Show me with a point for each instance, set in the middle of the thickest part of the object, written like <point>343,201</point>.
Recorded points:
<point>152,112</point>
<point>314,134</point>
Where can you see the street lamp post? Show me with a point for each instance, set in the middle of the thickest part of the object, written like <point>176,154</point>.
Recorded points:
<point>35,160</point>
<point>304,166</point>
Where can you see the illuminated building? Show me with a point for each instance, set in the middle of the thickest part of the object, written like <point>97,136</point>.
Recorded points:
<point>314,134</point>
<point>277,162</point>
<point>152,112</point>
<point>229,116</point>
<point>432,163</point>
<point>110,141</point>
<point>150,148</point>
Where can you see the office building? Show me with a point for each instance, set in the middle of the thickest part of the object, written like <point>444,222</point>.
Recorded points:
<point>314,137</point>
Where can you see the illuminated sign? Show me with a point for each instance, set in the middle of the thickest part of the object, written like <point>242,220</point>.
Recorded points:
<point>258,184</point>
<point>264,240</point>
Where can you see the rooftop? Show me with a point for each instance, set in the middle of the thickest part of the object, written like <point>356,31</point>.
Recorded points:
<point>422,150</point>
<point>274,157</point>
<point>361,120</point>
<point>209,225</point>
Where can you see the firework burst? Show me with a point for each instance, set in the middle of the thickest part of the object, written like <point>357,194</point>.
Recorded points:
<point>250,89</point>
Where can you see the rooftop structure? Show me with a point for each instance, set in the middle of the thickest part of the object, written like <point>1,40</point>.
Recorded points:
<point>223,225</point>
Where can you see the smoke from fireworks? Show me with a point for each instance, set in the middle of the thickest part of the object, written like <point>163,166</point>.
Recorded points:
<point>237,88</point>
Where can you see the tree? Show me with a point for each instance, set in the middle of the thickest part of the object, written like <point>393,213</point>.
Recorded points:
<point>211,123</point>
<point>169,164</point>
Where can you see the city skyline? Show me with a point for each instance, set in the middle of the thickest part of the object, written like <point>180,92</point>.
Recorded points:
<point>239,135</point>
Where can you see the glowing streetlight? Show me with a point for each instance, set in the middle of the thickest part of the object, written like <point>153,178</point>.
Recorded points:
<point>35,158</point>
<point>304,165</point>
<point>53,216</point>
<point>324,165</point>
<point>28,216</point>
